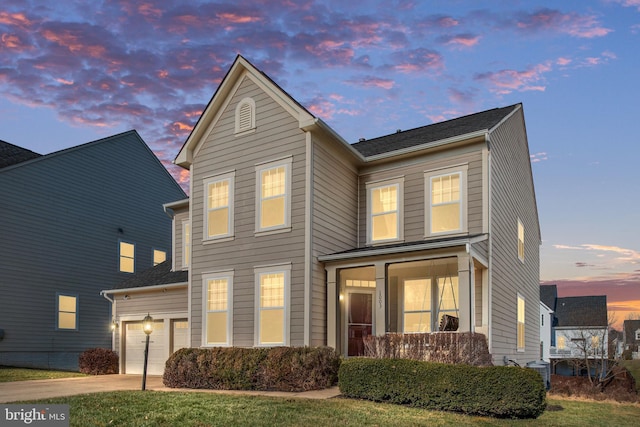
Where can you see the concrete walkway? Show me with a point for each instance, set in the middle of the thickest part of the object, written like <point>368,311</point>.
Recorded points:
<point>45,389</point>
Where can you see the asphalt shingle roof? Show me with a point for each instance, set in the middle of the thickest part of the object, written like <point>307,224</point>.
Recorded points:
<point>548,295</point>
<point>630,328</point>
<point>12,154</point>
<point>160,274</point>
<point>484,120</point>
<point>582,311</point>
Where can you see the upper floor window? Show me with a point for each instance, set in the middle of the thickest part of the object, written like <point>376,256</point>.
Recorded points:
<point>127,257</point>
<point>520,241</point>
<point>218,312</point>
<point>520,327</point>
<point>562,343</point>
<point>384,209</point>
<point>159,256</point>
<point>273,196</point>
<point>67,312</point>
<point>272,318</point>
<point>245,115</point>
<point>446,210</point>
<point>218,218</point>
<point>186,243</point>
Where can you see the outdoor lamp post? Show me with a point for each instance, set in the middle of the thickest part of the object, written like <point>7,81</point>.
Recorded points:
<point>147,327</point>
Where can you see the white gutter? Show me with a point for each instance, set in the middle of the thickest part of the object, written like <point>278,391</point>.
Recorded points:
<point>317,122</point>
<point>171,205</point>
<point>143,288</point>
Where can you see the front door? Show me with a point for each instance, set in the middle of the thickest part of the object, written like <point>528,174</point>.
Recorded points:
<point>359,321</point>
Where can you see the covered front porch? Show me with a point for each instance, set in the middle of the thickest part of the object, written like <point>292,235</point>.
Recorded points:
<point>405,289</point>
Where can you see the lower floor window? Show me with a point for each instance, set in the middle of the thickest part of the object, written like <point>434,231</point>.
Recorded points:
<point>218,312</point>
<point>271,311</point>
<point>67,312</point>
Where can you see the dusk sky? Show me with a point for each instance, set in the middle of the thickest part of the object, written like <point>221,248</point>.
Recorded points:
<point>75,71</point>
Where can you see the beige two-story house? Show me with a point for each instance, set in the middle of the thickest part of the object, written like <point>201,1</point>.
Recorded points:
<point>292,236</point>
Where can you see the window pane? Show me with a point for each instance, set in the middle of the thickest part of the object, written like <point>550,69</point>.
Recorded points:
<point>417,322</point>
<point>272,212</point>
<point>66,320</point>
<point>448,294</point>
<point>384,199</point>
<point>159,256</point>
<point>217,327</point>
<point>126,250</point>
<point>384,227</point>
<point>272,326</point>
<point>417,295</point>
<point>218,222</point>
<point>126,265</point>
<point>273,182</point>
<point>67,303</point>
<point>272,290</point>
<point>445,217</point>
<point>217,294</point>
<point>218,194</point>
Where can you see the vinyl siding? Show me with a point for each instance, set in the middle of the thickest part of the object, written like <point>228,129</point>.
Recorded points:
<point>178,220</point>
<point>513,197</point>
<point>60,225</point>
<point>335,213</point>
<point>277,136</point>
<point>414,188</point>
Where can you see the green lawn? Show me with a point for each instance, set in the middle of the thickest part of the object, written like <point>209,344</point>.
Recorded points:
<point>8,374</point>
<point>138,408</point>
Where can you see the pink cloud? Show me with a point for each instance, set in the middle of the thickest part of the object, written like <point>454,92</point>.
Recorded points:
<point>575,25</point>
<point>506,81</point>
<point>417,60</point>
<point>15,19</point>
<point>460,40</point>
<point>563,61</point>
<point>629,3</point>
<point>371,81</point>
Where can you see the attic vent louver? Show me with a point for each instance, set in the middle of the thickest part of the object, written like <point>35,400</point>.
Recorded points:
<point>245,115</point>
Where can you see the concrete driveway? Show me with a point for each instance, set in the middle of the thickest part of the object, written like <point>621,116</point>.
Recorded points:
<point>45,389</point>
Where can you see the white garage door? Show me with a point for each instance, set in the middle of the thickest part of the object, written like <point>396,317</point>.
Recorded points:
<point>179,333</point>
<point>134,351</point>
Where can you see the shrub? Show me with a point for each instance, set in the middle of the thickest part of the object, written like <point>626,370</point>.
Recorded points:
<point>498,391</point>
<point>233,368</point>
<point>443,347</point>
<point>98,361</point>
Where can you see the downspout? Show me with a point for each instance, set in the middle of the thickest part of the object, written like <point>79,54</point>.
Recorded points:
<point>489,249</point>
<point>113,310</point>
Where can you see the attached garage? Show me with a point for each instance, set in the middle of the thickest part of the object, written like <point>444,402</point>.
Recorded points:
<point>166,303</point>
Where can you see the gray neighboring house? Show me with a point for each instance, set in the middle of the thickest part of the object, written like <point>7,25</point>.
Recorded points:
<point>631,337</point>
<point>72,223</point>
<point>294,237</point>
<point>578,324</point>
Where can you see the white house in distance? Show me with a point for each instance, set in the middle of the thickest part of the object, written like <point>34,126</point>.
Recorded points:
<point>294,237</point>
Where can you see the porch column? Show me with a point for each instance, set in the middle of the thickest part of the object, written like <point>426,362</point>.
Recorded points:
<point>332,306</point>
<point>379,300</point>
<point>464,292</point>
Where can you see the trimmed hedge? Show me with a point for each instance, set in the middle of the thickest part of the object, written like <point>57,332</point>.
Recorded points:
<point>233,368</point>
<point>98,361</point>
<point>497,391</point>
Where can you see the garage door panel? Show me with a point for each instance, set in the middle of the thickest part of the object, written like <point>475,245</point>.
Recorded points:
<point>135,339</point>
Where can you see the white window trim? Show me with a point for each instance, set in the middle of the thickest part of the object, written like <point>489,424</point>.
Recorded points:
<point>242,131</point>
<point>258,271</point>
<point>373,185</point>
<point>186,245</point>
<point>436,173</point>
<point>259,168</point>
<point>228,275</point>
<point>66,294</point>
<point>524,337</point>
<point>228,176</point>
<point>520,226</point>
<point>120,241</point>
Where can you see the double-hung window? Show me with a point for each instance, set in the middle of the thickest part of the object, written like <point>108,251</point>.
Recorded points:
<point>520,241</point>
<point>186,244</point>
<point>67,312</point>
<point>273,196</point>
<point>218,217</point>
<point>218,308</point>
<point>126,257</point>
<point>446,209</point>
<point>272,300</point>
<point>520,328</point>
<point>159,256</point>
<point>384,211</point>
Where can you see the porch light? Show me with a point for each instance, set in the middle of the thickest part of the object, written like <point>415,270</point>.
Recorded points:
<point>147,327</point>
<point>114,325</point>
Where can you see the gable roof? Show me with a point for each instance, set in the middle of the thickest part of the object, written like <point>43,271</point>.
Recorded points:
<point>584,311</point>
<point>629,329</point>
<point>12,154</point>
<point>479,122</point>
<point>549,295</point>
<point>160,274</point>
